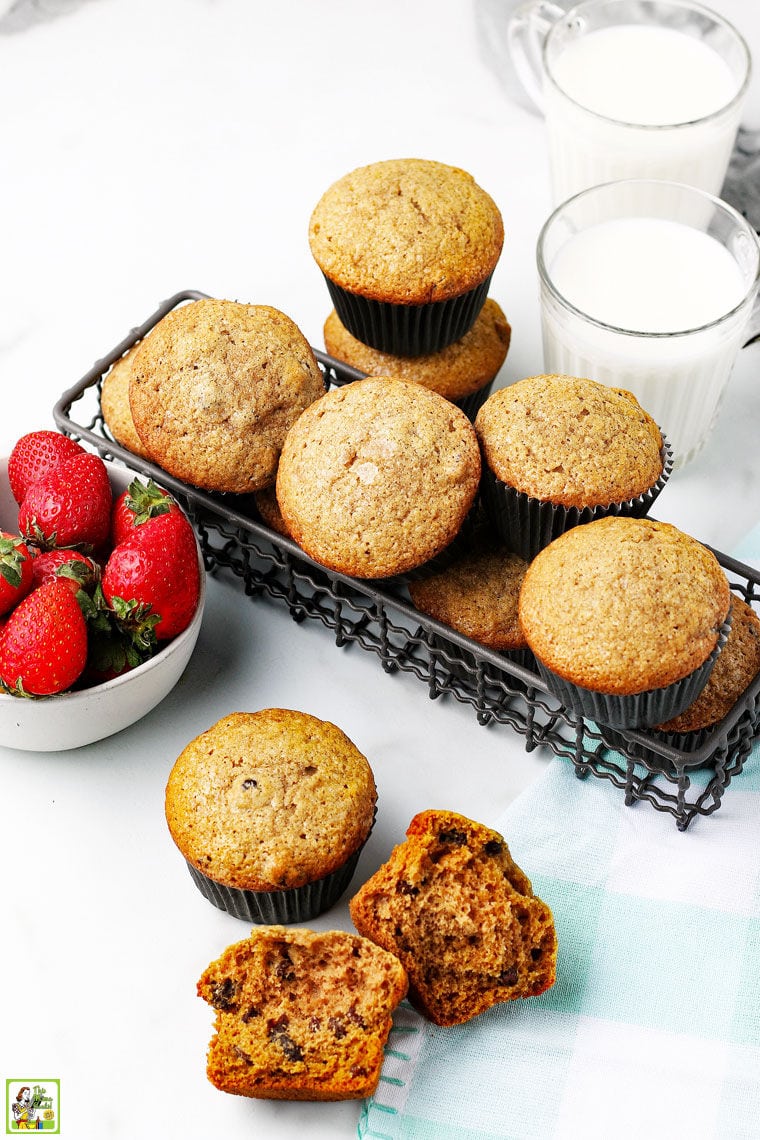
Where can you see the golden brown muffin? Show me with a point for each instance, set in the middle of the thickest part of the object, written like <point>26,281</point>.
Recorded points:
<point>269,509</point>
<point>737,665</point>
<point>271,803</point>
<point>215,388</point>
<point>461,916</point>
<point>114,404</point>
<point>376,478</point>
<point>301,1015</point>
<point>457,371</point>
<point>570,440</point>
<point>407,231</point>
<point>627,610</point>
<point>562,450</point>
<point>477,594</point>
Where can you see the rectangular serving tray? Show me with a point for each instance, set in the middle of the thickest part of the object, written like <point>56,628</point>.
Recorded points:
<point>379,617</point>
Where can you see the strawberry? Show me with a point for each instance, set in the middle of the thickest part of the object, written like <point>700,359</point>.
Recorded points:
<point>136,505</point>
<point>16,565</point>
<point>70,506</point>
<point>71,566</point>
<point>34,455</point>
<point>155,574</point>
<point>43,644</point>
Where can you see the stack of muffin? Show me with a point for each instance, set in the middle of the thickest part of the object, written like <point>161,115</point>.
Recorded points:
<point>525,529</point>
<point>407,248</point>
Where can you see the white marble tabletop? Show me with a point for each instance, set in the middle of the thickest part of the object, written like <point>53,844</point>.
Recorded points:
<point>148,146</point>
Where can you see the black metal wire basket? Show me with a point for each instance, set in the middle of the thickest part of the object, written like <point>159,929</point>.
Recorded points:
<point>379,618</point>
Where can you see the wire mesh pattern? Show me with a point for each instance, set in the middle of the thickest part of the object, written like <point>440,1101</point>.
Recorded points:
<point>379,618</point>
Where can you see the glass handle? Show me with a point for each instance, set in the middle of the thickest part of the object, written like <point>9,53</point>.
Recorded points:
<point>527,29</point>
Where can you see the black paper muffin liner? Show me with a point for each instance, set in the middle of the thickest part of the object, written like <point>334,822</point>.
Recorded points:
<point>472,404</point>
<point>527,524</point>
<point>283,907</point>
<point>635,710</point>
<point>408,330</point>
<point>685,742</point>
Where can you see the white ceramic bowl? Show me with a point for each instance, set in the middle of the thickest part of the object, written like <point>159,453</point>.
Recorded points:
<point>70,720</point>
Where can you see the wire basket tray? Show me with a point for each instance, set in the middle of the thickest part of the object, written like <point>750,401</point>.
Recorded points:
<point>378,617</point>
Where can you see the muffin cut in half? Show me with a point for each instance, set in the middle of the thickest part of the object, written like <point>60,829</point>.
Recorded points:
<point>461,916</point>
<point>301,1014</point>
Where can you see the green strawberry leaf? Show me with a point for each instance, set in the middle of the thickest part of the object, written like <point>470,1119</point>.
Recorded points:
<point>11,560</point>
<point>137,620</point>
<point>146,502</point>
<point>18,690</point>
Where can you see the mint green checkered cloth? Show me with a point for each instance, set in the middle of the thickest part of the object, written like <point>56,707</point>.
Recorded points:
<point>652,1030</point>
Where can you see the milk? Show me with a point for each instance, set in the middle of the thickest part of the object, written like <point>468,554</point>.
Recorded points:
<point>649,275</point>
<point>644,74</point>
<point>645,278</point>
<point>639,101</point>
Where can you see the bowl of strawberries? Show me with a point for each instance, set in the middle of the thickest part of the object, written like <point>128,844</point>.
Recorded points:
<point>102,591</point>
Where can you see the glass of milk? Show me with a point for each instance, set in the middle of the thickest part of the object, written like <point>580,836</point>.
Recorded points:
<point>632,89</point>
<point>650,286</point>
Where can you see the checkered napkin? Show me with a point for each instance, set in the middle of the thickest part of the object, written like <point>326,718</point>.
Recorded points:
<point>652,1030</point>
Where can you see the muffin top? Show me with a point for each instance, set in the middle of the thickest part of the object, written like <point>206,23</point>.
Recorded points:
<point>269,800</point>
<point>570,441</point>
<point>738,664</point>
<point>623,605</point>
<point>477,594</point>
<point>215,388</point>
<point>377,477</point>
<point>114,404</point>
<point>406,231</point>
<point>457,371</point>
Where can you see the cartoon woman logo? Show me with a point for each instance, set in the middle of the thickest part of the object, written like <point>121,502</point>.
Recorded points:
<point>24,1110</point>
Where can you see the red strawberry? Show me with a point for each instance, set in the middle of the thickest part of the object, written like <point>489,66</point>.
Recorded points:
<point>155,573</point>
<point>43,644</point>
<point>16,565</point>
<point>136,505</point>
<point>70,566</point>
<point>34,455</point>
<point>70,506</point>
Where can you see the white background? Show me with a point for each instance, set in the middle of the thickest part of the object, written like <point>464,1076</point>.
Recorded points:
<point>148,146</point>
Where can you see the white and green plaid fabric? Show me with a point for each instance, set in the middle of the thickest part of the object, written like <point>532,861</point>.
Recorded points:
<point>652,1029</point>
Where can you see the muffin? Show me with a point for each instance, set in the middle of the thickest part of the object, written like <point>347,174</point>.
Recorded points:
<point>563,450</point>
<point>407,248</point>
<point>269,510</point>
<point>463,372</point>
<point>215,388</point>
<point>476,595</point>
<point>737,666</point>
<point>270,810</point>
<point>461,917</point>
<point>378,477</point>
<point>625,618</point>
<point>114,404</point>
<point>301,1015</point>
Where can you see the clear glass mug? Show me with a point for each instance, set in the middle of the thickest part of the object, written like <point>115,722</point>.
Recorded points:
<point>590,146</point>
<point>679,377</point>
